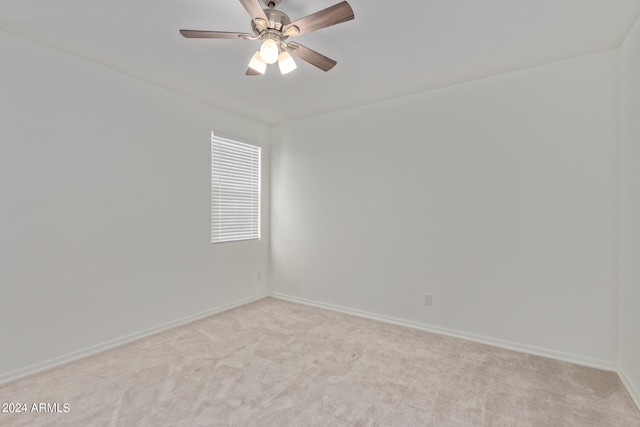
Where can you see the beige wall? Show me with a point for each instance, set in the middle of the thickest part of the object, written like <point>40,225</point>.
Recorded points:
<point>498,197</point>
<point>105,219</point>
<point>629,338</point>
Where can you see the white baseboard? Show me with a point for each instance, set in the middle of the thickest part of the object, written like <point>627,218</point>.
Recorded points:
<point>509,345</point>
<point>108,345</point>
<point>635,395</point>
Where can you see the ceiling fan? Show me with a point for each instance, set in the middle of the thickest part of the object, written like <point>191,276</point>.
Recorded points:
<point>273,27</point>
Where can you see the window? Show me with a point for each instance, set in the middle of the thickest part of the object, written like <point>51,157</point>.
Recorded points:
<point>235,190</point>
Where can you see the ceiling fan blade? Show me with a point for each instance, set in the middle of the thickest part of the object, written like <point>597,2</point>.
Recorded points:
<point>256,12</point>
<point>195,34</point>
<point>252,72</point>
<point>311,56</point>
<point>332,15</point>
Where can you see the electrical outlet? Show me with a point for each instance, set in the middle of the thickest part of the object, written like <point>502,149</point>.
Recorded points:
<point>427,299</point>
<point>259,277</point>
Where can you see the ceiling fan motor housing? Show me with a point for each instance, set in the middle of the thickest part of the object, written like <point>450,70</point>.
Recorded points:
<point>277,21</point>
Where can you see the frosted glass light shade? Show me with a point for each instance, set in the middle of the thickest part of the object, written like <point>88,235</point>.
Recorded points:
<point>286,63</point>
<point>257,63</point>
<point>269,51</point>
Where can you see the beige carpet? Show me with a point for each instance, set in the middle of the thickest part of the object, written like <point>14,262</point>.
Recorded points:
<point>275,363</point>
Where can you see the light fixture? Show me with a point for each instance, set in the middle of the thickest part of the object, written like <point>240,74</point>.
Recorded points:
<point>272,28</point>
<point>286,63</point>
<point>269,51</point>
<point>257,64</point>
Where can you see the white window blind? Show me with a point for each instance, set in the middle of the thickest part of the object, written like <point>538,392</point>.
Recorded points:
<point>235,190</point>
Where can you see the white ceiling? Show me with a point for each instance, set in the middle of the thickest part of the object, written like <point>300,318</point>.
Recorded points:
<point>391,49</point>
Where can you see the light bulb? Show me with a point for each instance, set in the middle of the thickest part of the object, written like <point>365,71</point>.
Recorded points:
<point>257,63</point>
<point>286,63</point>
<point>269,51</point>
